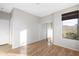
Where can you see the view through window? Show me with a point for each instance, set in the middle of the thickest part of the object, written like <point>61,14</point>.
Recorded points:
<point>70,29</point>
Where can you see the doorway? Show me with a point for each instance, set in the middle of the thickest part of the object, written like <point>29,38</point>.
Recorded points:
<point>47,32</point>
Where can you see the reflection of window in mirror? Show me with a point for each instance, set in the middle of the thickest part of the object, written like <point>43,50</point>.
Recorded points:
<point>70,25</point>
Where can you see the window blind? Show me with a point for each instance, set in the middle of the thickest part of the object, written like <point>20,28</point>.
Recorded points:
<point>70,15</point>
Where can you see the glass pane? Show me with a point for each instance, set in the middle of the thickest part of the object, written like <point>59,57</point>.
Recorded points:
<point>70,29</point>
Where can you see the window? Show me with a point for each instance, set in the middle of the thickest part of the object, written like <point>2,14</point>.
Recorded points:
<point>70,28</point>
<point>70,25</point>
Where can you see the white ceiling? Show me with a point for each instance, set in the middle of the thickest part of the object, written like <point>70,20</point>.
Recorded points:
<point>37,9</point>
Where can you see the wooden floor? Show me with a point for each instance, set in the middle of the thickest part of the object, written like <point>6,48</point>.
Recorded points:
<point>42,49</point>
<point>6,50</point>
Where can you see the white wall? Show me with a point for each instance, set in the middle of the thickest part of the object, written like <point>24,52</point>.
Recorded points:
<point>4,28</point>
<point>57,25</point>
<point>23,21</point>
<point>72,44</point>
<point>4,31</point>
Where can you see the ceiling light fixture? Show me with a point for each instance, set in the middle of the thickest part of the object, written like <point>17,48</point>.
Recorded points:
<point>37,3</point>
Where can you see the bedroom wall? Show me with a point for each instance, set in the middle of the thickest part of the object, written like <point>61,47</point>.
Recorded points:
<point>4,27</point>
<point>72,44</point>
<point>24,21</point>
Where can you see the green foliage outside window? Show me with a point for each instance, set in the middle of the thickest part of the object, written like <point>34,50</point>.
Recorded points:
<point>71,35</point>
